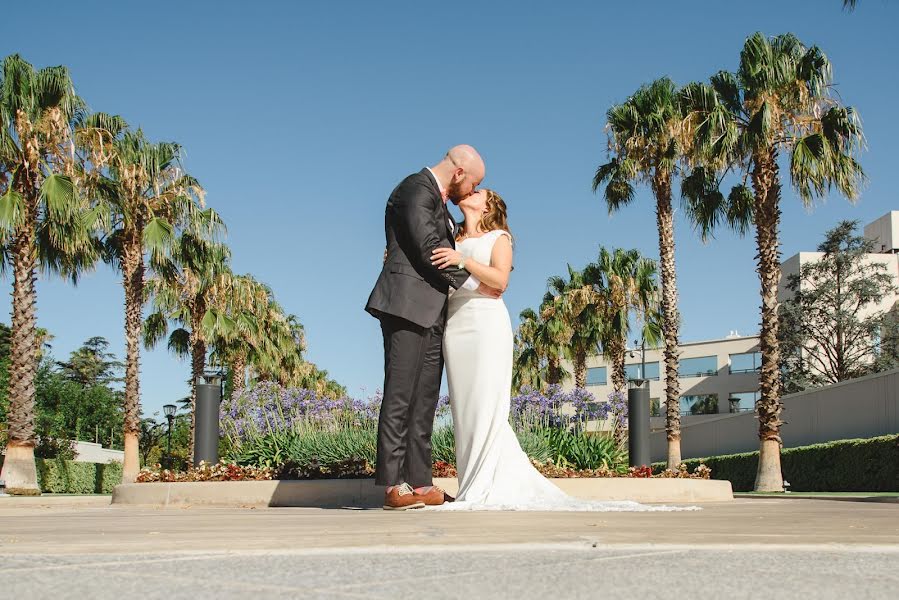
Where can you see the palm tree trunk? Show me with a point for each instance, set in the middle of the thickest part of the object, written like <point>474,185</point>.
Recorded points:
<point>670,316</point>
<point>133,282</point>
<point>19,471</point>
<point>616,352</point>
<point>766,187</point>
<point>580,368</point>
<point>238,375</point>
<point>553,371</point>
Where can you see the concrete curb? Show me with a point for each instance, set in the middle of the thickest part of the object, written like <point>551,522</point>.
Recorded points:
<point>53,500</point>
<point>363,493</point>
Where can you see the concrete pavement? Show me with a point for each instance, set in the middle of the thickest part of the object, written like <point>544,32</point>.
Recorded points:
<point>746,548</point>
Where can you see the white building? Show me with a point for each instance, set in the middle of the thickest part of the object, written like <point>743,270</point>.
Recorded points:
<point>716,376</point>
<point>884,233</point>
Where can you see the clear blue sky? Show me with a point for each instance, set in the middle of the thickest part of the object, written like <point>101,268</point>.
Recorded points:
<point>300,117</point>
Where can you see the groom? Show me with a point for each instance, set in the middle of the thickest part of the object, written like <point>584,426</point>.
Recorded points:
<point>410,299</point>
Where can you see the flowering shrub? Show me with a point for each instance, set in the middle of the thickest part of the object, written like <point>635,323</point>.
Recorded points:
<point>206,472</point>
<point>444,469</point>
<point>617,407</point>
<point>267,407</point>
<point>642,472</point>
<point>299,434</point>
<point>233,472</point>
<point>552,470</point>
<point>556,408</point>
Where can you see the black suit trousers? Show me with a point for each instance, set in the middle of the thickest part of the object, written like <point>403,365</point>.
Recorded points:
<point>413,366</point>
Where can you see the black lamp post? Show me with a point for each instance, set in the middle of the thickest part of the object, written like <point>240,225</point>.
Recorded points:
<point>206,418</point>
<point>169,410</point>
<point>638,414</point>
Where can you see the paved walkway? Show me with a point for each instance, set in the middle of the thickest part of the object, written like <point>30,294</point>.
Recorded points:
<point>748,548</point>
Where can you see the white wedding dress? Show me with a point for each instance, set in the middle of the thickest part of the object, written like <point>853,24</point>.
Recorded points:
<point>494,472</point>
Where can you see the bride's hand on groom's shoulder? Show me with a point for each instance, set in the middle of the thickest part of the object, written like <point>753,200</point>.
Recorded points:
<point>486,290</point>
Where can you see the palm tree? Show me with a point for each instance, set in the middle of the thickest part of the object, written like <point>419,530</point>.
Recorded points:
<point>644,140</point>
<point>42,223</point>
<point>147,196</point>
<point>630,287</point>
<point>552,334</point>
<point>264,340</point>
<point>540,347</point>
<point>579,303</point>
<point>528,371</point>
<point>248,341</point>
<point>191,286</point>
<point>778,101</point>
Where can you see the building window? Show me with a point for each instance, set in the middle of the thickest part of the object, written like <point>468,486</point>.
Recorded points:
<point>651,372</point>
<point>655,407</point>
<point>701,404</point>
<point>596,376</point>
<point>742,401</point>
<point>698,367</point>
<point>749,362</point>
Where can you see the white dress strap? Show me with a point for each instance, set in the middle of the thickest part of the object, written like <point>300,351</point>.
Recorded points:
<point>497,233</point>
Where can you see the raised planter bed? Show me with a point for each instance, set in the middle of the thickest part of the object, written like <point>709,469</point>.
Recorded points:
<point>363,493</point>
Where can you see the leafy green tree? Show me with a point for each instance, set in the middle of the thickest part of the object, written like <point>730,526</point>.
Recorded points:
<point>91,364</point>
<point>68,407</point>
<point>778,102</point>
<point>830,329</point>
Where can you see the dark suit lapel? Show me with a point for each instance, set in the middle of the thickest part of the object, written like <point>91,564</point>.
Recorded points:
<point>448,218</point>
<point>450,223</point>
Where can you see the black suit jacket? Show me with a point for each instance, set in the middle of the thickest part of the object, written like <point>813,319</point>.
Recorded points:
<point>415,223</point>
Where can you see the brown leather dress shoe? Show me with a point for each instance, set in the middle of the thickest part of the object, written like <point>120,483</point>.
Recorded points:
<point>401,497</point>
<point>434,497</point>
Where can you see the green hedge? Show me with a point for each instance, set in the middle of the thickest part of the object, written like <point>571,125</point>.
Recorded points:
<point>57,476</point>
<point>862,465</point>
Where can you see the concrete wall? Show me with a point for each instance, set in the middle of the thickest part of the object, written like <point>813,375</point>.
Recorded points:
<point>860,408</point>
<point>96,453</point>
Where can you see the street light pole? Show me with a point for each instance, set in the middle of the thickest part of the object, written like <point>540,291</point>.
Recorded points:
<point>638,415</point>
<point>206,436</point>
<point>169,410</point>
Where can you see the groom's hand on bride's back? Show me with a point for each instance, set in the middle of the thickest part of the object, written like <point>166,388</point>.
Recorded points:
<point>489,291</point>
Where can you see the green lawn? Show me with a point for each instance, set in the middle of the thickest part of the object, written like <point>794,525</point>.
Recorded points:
<point>835,494</point>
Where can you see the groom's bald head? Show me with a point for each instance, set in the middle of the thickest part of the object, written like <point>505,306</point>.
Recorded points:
<point>467,158</point>
<point>460,171</point>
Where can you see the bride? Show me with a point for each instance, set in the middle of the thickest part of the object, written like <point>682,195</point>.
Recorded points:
<point>494,472</point>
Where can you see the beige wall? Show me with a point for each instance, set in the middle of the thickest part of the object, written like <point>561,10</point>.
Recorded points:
<point>884,232</point>
<point>860,408</point>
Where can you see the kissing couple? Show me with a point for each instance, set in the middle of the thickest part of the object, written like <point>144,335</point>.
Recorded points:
<point>439,297</point>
